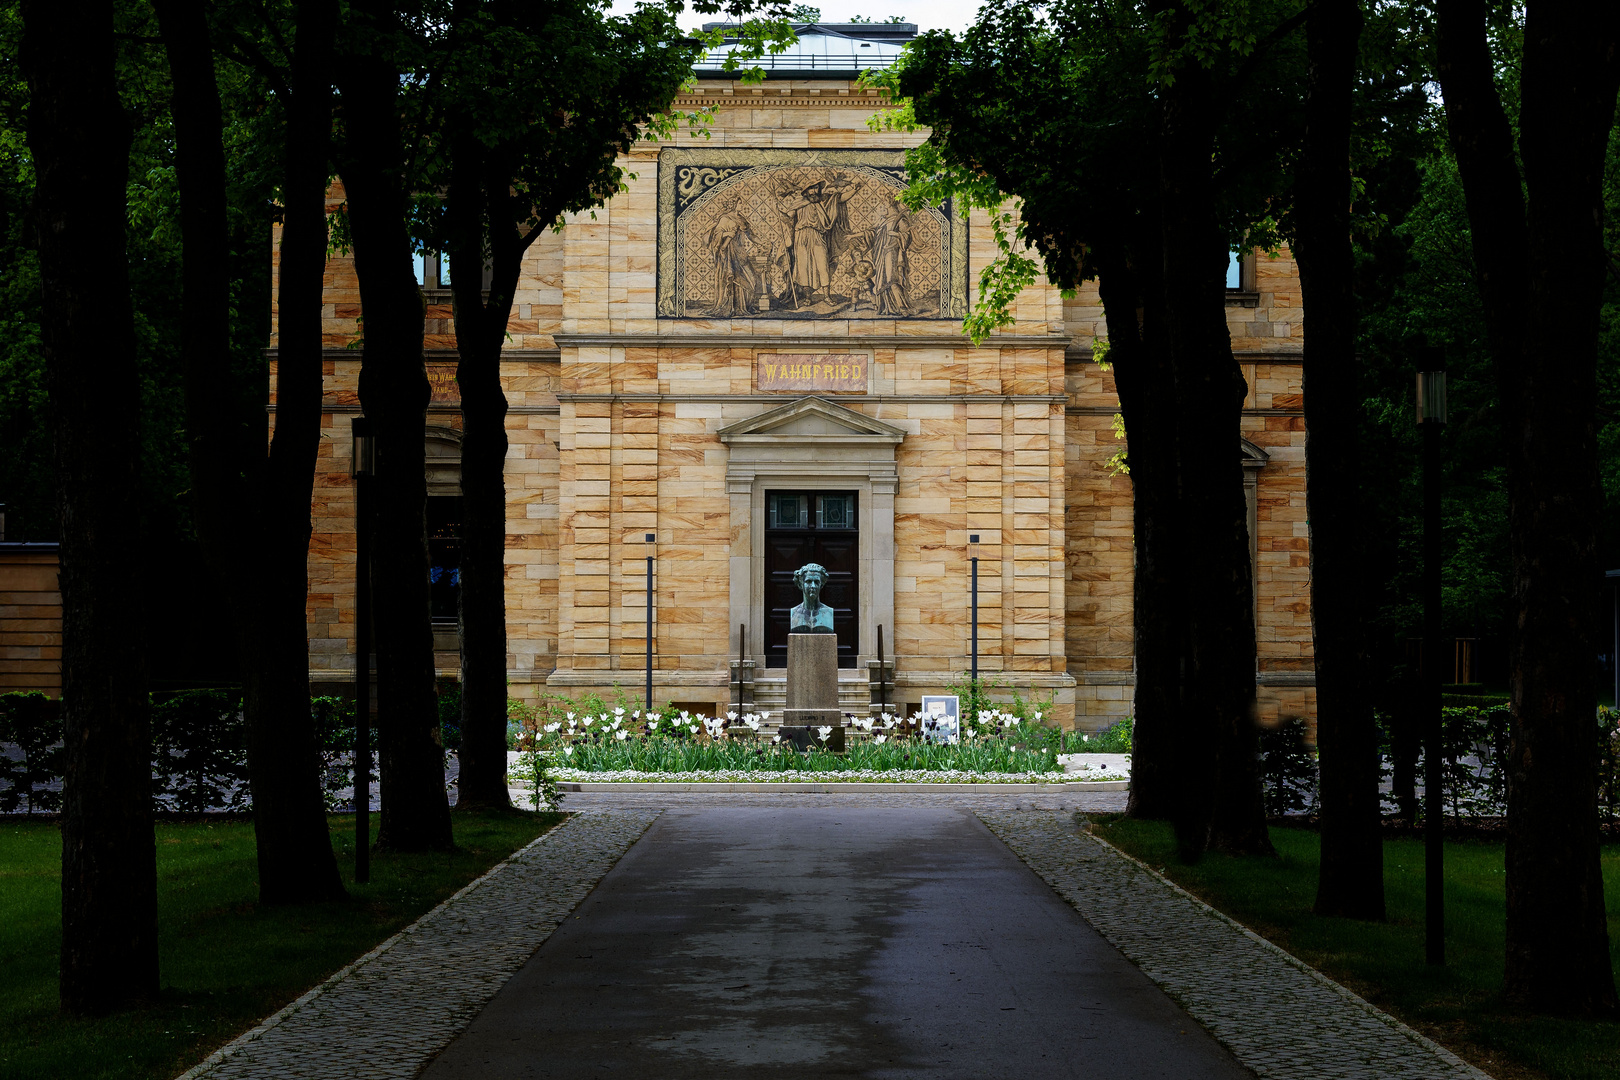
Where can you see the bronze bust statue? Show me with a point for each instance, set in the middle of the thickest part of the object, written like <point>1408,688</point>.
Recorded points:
<point>812,616</point>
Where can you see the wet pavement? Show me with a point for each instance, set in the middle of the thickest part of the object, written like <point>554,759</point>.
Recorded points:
<point>828,941</point>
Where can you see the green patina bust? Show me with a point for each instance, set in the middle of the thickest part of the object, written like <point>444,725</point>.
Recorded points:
<point>812,616</point>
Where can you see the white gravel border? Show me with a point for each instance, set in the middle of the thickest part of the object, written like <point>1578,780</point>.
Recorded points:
<point>1278,1015</point>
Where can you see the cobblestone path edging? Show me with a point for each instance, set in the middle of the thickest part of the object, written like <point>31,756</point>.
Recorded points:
<point>387,1013</point>
<point>1278,1016</point>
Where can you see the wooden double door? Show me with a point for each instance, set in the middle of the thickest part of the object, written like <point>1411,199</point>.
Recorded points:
<point>811,527</point>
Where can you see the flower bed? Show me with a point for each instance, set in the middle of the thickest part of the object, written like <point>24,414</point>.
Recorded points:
<point>554,743</point>
<point>810,776</point>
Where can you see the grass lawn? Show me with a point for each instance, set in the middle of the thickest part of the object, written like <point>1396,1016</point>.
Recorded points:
<point>225,962</point>
<point>1460,1005</point>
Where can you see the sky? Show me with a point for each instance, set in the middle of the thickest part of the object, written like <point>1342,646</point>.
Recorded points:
<point>954,15</point>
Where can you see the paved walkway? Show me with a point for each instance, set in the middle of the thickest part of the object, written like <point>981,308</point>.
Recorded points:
<point>822,935</point>
<point>815,942</point>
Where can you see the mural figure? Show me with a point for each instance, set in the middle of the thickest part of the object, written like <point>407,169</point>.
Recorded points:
<point>820,228</point>
<point>801,235</point>
<point>890,253</point>
<point>736,282</point>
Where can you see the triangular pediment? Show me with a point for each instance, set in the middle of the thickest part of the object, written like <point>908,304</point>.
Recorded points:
<point>811,418</point>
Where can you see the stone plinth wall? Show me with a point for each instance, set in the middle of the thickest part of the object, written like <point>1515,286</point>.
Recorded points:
<point>30,619</point>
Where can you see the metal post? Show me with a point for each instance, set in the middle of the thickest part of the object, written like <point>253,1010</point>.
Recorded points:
<point>650,538</point>
<point>974,541</point>
<point>362,467</point>
<point>1431,420</point>
<point>883,677</point>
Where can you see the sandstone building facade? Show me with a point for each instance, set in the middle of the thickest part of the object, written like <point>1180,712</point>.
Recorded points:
<point>755,355</point>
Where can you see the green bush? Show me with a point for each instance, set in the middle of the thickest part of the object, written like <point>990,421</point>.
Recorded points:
<point>1288,779</point>
<point>199,752</point>
<point>33,723</point>
<point>450,715</point>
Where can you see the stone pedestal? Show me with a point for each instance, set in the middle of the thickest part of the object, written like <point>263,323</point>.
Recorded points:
<point>812,682</point>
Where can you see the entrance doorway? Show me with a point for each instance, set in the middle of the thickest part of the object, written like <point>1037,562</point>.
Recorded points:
<point>811,527</point>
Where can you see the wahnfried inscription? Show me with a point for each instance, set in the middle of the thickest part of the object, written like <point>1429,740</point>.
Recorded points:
<point>840,373</point>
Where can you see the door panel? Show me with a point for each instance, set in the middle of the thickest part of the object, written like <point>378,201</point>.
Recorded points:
<point>824,530</point>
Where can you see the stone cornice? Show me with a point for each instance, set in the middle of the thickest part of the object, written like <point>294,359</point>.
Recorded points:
<point>1081,354</point>
<point>853,399</point>
<point>776,98</point>
<point>441,356</point>
<point>721,340</point>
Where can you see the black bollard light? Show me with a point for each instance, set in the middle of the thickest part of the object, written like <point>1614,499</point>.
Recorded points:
<point>973,558</point>
<point>362,467</point>
<point>651,539</point>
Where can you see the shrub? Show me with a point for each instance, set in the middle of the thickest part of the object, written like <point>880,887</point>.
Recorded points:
<point>199,752</point>
<point>1608,764</point>
<point>333,718</point>
<point>450,715</point>
<point>33,723</point>
<point>1288,777</point>
<point>1111,740</point>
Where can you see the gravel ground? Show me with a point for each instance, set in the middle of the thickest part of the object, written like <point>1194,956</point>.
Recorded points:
<point>386,1014</point>
<point>1278,1016</point>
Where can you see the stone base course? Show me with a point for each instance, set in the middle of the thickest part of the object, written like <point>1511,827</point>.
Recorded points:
<point>385,1015</point>
<point>1277,1015</point>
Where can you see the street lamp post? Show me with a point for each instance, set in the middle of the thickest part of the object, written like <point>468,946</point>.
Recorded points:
<point>651,539</point>
<point>973,559</point>
<point>1431,419</point>
<point>362,466</point>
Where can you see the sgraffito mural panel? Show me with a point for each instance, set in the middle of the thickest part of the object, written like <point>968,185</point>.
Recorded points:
<point>802,234</point>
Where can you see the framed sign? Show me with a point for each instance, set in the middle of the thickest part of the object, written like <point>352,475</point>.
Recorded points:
<point>838,373</point>
<point>941,718</point>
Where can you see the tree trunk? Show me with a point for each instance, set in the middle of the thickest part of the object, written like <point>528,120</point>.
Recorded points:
<point>1141,370</point>
<point>79,138</point>
<point>258,558</point>
<point>1541,275</point>
<point>480,331</point>
<point>1223,806</point>
<point>394,393</point>
<point>295,850</point>
<point>1351,877</point>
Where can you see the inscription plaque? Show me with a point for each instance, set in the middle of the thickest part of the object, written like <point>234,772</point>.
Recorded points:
<point>442,383</point>
<point>837,373</point>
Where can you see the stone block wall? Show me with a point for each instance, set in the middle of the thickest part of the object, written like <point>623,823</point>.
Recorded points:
<point>616,429</point>
<point>1267,328</point>
<point>30,619</point>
